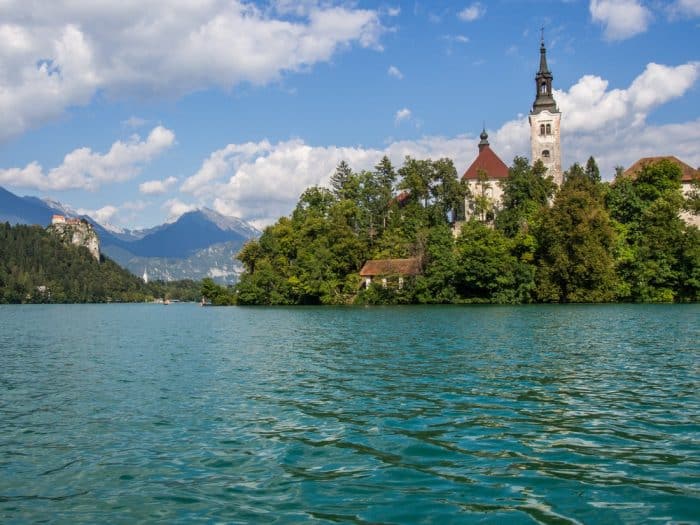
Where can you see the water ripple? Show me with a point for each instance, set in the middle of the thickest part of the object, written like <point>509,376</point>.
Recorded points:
<point>582,414</point>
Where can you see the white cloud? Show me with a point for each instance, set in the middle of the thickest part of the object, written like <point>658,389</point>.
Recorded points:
<point>175,208</point>
<point>473,12</point>
<point>262,181</point>
<point>394,71</point>
<point>401,115</point>
<point>60,54</point>
<point>85,169</point>
<point>102,215</point>
<point>589,106</point>
<point>685,8</point>
<point>393,11</point>
<point>156,187</point>
<point>134,122</point>
<point>621,19</point>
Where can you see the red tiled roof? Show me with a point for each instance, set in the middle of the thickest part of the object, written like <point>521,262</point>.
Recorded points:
<point>391,267</point>
<point>688,173</point>
<point>488,161</point>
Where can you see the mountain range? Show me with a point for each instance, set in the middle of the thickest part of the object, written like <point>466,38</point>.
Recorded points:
<point>200,243</point>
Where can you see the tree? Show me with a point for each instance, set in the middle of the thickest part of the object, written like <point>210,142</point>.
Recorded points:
<point>526,192</point>
<point>486,269</point>
<point>576,242</point>
<point>592,171</point>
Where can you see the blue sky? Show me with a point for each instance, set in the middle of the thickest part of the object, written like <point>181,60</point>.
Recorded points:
<point>136,111</point>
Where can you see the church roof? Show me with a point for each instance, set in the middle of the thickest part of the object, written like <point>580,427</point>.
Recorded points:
<point>488,161</point>
<point>391,267</point>
<point>688,172</point>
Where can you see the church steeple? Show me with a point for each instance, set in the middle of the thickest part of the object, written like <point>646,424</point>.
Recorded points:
<point>543,84</point>
<point>545,121</point>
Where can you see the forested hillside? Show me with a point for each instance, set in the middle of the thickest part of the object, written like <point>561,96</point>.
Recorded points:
<point>588,241</point>
<point>36,267</point>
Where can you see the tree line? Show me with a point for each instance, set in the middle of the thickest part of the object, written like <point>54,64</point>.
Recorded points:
<point>38,267</point>
<point>587,241</point>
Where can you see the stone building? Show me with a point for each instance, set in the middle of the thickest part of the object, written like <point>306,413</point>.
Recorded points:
<point>487,171</point>
<point>545,120</point>
<point>483,177</point>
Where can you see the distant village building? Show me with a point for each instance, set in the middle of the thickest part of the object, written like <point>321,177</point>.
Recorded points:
<point>688,176</point>
<point>545,120</point>
<point>145,275</point>
<point>390,272</point>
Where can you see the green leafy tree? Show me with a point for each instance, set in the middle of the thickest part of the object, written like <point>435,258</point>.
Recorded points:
<point>486,269</point>
<point>576,242</point>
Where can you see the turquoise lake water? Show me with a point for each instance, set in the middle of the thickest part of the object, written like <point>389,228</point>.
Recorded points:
<point>180,414</point>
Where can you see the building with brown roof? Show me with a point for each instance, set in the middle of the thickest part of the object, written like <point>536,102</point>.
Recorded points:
<point>688,176</point>
<point>390,270</point>
<point>482,178</point>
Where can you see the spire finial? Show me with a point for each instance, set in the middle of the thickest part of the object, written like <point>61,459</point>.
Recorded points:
<point>542,36</point>
<point>484,138</point>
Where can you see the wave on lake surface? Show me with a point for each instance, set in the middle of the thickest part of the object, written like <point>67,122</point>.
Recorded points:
<point>541,414</point>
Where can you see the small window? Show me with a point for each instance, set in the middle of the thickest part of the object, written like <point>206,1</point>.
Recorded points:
<point>545,154</point>
<point>541,129</point>
<point>543,88</point>
<point>549,129</point>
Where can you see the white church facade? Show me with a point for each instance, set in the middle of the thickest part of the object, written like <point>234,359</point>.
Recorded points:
<point>488,170</point>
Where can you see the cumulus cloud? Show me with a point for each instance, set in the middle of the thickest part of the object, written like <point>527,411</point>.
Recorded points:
<point>402,115</point>
<point>473,12</point>
<point>621,19</point>
<point>85,169</point>
<point>262,181</point>
<point>589,106</point>
<point>175,208</point>
<point>60,54</point>
<point>394,71</point>
<point>102,215</point>
<point>156,187</point>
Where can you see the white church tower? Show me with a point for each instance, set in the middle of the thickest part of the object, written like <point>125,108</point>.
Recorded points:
<point>545,119</point>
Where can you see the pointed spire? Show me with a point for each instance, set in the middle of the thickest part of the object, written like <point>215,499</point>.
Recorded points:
<point>543,83</point>
<point>543,57</point>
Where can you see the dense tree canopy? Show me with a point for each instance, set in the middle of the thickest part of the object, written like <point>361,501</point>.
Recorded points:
<point>588,241</point>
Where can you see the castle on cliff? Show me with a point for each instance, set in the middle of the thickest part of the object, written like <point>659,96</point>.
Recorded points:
<point>77,232</point>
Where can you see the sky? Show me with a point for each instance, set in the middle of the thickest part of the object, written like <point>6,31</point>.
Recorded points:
<point>136,111</point>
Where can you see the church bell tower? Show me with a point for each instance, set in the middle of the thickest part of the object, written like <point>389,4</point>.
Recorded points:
<point>545,119</point>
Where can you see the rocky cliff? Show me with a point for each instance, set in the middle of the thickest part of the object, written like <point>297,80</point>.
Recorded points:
<point>79,233</point>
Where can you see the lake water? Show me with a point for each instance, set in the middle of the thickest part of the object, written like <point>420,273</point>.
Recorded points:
<point>549,414</point>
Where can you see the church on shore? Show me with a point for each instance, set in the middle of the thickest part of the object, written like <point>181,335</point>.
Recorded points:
<point>488,170</point>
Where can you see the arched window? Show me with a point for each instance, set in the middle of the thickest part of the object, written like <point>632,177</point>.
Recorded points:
<point>541,129</point>
<point>549,129</point>
<point>545,154</point>
<point>543,88</point>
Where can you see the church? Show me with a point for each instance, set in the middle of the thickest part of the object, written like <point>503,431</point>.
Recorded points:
<point>487,170</point>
